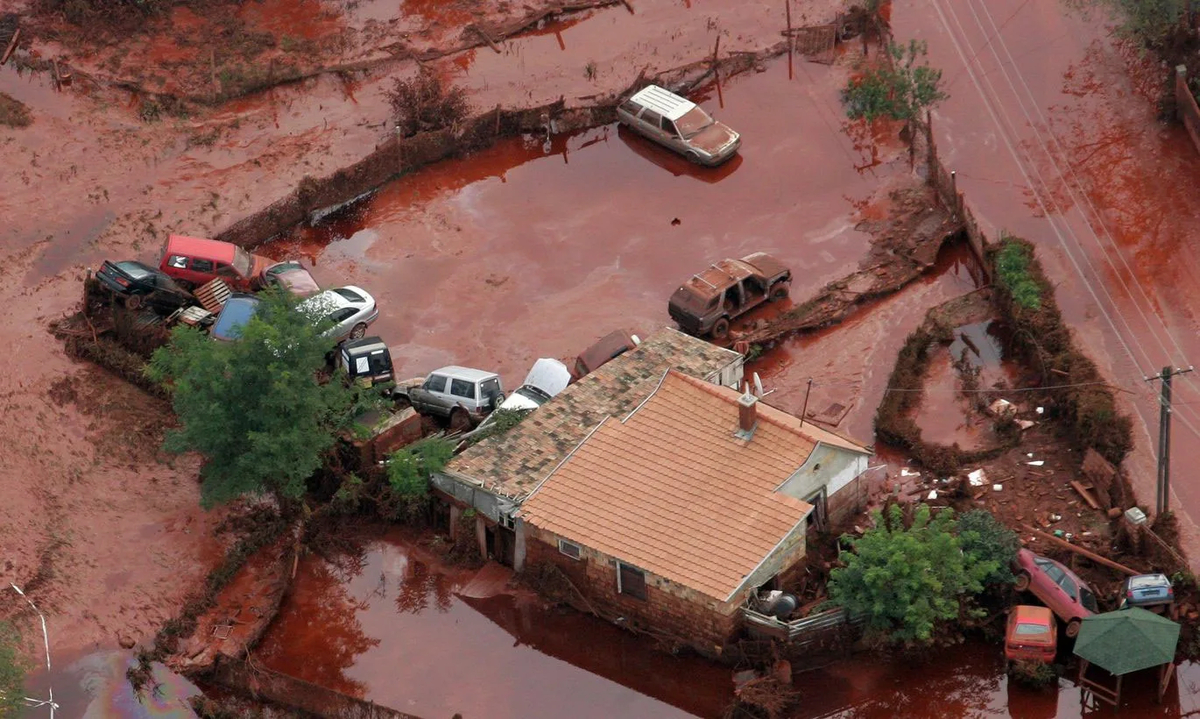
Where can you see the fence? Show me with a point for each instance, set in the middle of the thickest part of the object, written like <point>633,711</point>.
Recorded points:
<point>813,629</point>
<point>1185,105</point>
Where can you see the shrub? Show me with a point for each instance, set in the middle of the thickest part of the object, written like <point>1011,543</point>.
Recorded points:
<point>899,90</point>
<point>904,580</point>
<point>425,103</point>
<point>409,468</point>
<point>12,673</point>
<point>985,539</point>
<point>1012,268</point>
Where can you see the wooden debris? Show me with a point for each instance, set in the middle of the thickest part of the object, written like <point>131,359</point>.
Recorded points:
<point>628,6</point>
<point>1082,552</point>
<point>486,38</point>
<point>12,46</point>
<point>1083,492</point>
<point>1114,513</point>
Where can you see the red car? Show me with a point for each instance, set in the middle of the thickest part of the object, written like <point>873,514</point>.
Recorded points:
<point>608,347</point>
<point>1068,596</point>
<point>196,261</point>
<point>1031,635</point>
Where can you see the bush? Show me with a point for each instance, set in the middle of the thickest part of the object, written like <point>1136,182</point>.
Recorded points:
<point>425,103</point>
<point>500,422</point>
<point>898,90</point>
<point>1038,675</point>
<point>409,468</point>
<point>985,539</point>
<point>905,580</point>
<point>12,673</point>
<point>1012,268</point>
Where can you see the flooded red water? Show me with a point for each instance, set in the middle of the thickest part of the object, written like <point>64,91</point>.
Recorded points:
<point>388,626</point>
<point>849,363</point>
<point>537,247</point>
<point>1044,100</point>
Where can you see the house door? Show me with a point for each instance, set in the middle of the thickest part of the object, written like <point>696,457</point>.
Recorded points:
<point>504,548</point>
<point>818,520</point>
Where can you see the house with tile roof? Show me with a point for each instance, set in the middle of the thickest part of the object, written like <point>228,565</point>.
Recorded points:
<point>495,476</point>
<point>670,516</point>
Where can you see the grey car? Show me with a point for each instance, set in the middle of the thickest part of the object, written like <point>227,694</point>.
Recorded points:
<point>1149,591</point>
<point>462,395</point>
<point>349,310</point>
<point>679,124</point>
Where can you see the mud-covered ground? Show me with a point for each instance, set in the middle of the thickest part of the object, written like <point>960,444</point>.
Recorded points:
<point>104,531</point>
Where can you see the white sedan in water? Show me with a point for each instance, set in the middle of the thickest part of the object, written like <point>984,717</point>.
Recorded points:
<point>349,310</point>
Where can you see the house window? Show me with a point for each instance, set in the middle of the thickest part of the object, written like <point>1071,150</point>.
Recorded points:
<point>631,581</point>
<point>569,548</point>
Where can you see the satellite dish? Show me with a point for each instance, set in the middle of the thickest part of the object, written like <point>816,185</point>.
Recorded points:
<point>758,388</point>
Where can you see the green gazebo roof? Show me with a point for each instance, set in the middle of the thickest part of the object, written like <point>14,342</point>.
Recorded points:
<point>1127,641</point>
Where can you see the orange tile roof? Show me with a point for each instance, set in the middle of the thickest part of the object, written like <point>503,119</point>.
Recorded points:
<point>672,490</point>
<point>513,463</point>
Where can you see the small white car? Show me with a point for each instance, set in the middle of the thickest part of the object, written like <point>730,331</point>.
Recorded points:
<point>545,380</point>
<point>350,310</point>
<point>679,124</point>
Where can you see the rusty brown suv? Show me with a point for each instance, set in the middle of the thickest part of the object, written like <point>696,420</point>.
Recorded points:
<point>710,300</point>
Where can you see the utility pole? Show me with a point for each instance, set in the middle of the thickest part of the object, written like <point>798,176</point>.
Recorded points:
<point>1163,482</point>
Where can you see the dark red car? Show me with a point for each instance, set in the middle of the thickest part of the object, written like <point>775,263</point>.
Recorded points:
<point>608,347</point>
<point>1031,635</point>
<point>1068,596</point>
<point>197,261</point>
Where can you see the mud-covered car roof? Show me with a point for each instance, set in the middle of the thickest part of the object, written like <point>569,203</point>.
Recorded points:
<point>721,275</point>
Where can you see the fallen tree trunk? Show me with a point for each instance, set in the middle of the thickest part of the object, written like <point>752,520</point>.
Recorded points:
<point>1082,552</point>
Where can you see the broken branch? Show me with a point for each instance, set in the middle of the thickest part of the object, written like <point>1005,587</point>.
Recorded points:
<point>1081,551</point>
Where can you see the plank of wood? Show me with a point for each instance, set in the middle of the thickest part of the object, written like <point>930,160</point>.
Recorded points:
<point>491,43</point>
<point>12,45</point>
<point>1083,492</point>
<point>1081,551</point>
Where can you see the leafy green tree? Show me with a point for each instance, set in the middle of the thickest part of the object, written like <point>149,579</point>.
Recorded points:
<point>12,673</point>
<point>1151,22</point>
<point>899,90</point>
<point>905,580</point>
<point>255,407</point>
<point>985,539</point>
<point>409,468</point>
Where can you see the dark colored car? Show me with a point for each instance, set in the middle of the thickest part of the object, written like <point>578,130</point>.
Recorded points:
<point>1031,635</point>
<point>238,310</point>
<point>291,276</point>
<point>710,300</point>
<point>1068,596</point>
<point>607,348</point>
<point>1149,591</point>
<point>143,286</point>
<point>367,361</point>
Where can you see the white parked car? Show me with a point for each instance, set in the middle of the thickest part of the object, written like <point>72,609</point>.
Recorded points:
<point>545,380</point>
<point>679,124</point>
<point>350,310</point>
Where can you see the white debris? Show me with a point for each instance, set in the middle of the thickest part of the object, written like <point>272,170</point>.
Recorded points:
<point>933,494</point>
<point>1024,424</point>
<point>1002,408</point>
<point>1036,462</point>
<point>997,487</point>
<point>1040,410</point>
<point>1029,455</point>
<point>977,478</point>
<point>905,473</point>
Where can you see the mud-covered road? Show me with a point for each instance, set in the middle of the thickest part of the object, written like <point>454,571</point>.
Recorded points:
<point>1052,129</point>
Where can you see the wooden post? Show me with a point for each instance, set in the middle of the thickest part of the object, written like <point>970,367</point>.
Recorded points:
<point>12,45</point>
<point>717,72</point>
<point>1081,551</point>
<point>787,7</point>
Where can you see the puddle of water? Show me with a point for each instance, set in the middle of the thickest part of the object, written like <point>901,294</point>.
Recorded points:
<point>850,362</point>
<point>387,626</point>
<point>535,248</point>
<point>95,687</point>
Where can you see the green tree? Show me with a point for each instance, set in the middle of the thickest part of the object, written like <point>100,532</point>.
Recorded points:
<point>409,468</point>
<point>255,407</point>
<point>905,580</point>
<point>12,673</point>
<point>1151,22</point>
<point>985,539</point>
<point>900,90</point>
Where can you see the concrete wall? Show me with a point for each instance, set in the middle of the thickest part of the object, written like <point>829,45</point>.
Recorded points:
<point>701,622</point>
<point>830,467</point>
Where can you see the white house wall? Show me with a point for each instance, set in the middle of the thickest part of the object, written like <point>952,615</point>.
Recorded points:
<point>829,467</point>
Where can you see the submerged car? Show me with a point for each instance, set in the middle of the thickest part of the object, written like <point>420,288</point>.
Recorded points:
<point>292,277</point>
<point>680,125</point>
<point>1068,596</point>
<point>1152,592</point>
<point>1031,635</point>
<point>710,300</point>
<point>140,286</point>
<point>197,261</point>
<point>462,395</point>
<point>238,310</point>
<point>606,349</point>
<point>349,311</point>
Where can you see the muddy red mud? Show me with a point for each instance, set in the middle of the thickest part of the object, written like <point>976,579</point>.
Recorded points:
<point>390,625</point>
<point>536,247</point>
<point>1052,130</point>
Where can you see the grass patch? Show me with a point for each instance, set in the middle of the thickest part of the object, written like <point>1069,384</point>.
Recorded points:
<point>13,113</point>
<point>1012,269</point>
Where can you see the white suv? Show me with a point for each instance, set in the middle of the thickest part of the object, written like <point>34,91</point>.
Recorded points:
<point>679,124</point>
<point>463,395</point>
